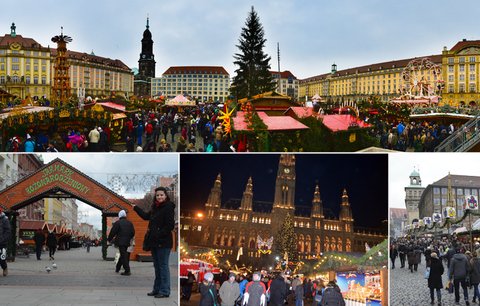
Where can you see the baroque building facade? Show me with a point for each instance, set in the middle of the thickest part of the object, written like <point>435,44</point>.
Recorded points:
<point>27,70</point>
<point>227,230</point>
<point>459,71</point>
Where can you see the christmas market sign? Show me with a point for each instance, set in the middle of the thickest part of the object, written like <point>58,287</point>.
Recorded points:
<point>57,173</point>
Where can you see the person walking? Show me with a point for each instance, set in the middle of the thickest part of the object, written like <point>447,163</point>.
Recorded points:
<point>435,278</point>
<point>457,272</point>
<point>229,291</point>
<point>475,275</point>
<point>393,254</point>
<point>208,291</point>
<point>159,239</point>
<point>39,239</point>
<point>93,138</point>
<point>5,233</point>
<point>52,244</point>
<point>278,291</point>
<point>332,296</point>
<point>122,233</point>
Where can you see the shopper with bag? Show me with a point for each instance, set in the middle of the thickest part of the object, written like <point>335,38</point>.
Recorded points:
<point>159,239</point>
<point>122,233</point>
<point>458,272</point>
<point>435,278</point>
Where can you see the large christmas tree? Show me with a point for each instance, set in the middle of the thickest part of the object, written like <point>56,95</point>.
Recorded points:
<point>253,74</point>
<point>285,242</point>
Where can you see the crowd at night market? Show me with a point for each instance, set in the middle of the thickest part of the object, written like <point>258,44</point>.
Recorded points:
<point>261,289</point>
<point>452,263</point>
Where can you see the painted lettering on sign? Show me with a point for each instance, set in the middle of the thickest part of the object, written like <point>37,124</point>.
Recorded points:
<point>57,173</point>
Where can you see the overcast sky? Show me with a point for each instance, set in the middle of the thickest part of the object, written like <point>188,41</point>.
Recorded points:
<point>312,34</point>
<point>431,166</point>
<point>97,166</point>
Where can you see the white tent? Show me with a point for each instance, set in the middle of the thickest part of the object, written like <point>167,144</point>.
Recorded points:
<point>460,230</point>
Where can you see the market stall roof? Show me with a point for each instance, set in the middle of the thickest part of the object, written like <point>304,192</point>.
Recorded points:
<point>31,224</point>
<point>112,105</point>
<point>460,230</point>
<point>273,123</point>
<point>180,100</point>
<point>301,112</point>
<point>26,109</point>
<point>433,99</point>
<point>337,123</point>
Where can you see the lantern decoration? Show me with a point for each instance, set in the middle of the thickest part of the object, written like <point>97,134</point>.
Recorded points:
<point>437,217</point>
<point>471,202</point>
<point>449,212</point>
<point>264,246</point>
<point>225,116</point>
<point>427,221</point>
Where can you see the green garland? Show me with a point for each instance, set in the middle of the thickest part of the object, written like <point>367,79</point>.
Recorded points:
<point>447,223</point>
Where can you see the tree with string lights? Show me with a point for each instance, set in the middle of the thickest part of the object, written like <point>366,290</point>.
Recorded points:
<point>285,242</point>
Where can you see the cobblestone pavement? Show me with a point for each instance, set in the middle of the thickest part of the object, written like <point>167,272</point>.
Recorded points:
<point>81,278</point>
<point>411,289</point>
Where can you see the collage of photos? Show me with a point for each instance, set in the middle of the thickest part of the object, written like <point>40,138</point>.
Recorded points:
<point>225,153</point>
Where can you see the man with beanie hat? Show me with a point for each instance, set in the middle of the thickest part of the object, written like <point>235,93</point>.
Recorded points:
<point>4,238</point>
<point>255,292</point>
<point>122,231</point>
<point>230,291</point>
<point>208,292</point>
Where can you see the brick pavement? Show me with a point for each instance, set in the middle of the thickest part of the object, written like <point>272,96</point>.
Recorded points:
<point>411,289</point>
<point>82,278</point>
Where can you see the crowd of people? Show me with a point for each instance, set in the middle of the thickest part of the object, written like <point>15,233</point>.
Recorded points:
<point>448,256</point>
<point>260,290</point>
<point>412,136</point>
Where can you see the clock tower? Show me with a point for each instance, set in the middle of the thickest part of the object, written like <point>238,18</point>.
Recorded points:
<point>285,184</point>
<point>146,65</point>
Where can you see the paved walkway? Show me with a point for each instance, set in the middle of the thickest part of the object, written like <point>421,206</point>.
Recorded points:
<point>81,278</point>
<point>411,289</point>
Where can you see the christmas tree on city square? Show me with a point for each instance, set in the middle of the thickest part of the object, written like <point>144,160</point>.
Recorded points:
<point>285,242</point>
<point>252,76</point>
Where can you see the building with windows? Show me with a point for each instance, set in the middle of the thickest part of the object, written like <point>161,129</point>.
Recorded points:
<point>460,67</point>
<point>398,219</point>
<point>227,229</point>
<point>287,83</point>
<point>413,193</point>
<point>451,188</point>
<point>27,69</point>
<point>202,83</point>
<point>381,80</point>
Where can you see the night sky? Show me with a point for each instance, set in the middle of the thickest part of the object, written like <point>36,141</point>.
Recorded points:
<point>365,176</point>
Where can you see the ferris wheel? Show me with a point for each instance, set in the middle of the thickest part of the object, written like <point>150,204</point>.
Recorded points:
<point>416,79</point>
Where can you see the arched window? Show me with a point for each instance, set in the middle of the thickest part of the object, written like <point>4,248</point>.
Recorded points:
<point>332,244</point>
<point>301,244</point>
<point>326,244</point>
<point>308,244</point>
<point>339,245</point>
<point>348,245</point>
<point>251,245</point>
<point>317,245</point>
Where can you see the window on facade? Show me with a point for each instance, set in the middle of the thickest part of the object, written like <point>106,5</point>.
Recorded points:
<point>15,67</point>
<point>450,88</point>
<point>471,87</point>
<point>472,77</point>
<point>450,78</point>
<point>461,88</point>
<point>461,68</point>
<point>450,60</point>
<point>27,80</point>
<point>462,78</point>
<point>436,190</point>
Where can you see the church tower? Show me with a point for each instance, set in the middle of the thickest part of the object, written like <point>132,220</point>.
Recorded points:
<point>146,65</point>
<point>247,201</point>
<point>285,184</point>
<point>413,193</point>
<point>317,205</point>
<point>215,197</point>
<point>346,215</point>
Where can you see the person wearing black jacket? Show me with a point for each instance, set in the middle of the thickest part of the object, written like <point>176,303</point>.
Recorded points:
<point>52,244</point>
<point>278,291</point>
<point>435,278</point>
<point>5,232</point>
<point>123,232</point>
<point>39,239</point>
<point>159,239</point>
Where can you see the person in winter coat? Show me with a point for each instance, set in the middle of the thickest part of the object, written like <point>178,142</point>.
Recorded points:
<point>458,271</point>
<point>242,283</point>
<point>299,293</point>
<point>278,291</point>
<point>5,233</point>
<point>229,291</point>
<point>52,244</point>
<point>393,254</point>
<point>39,239</point>
<point>208,291</point>
<point>435,278</point>
<point>159,239</point>
<point>255,292</point>
<point>122,233</point>
<point>475,275</point>
<point>332,296</point>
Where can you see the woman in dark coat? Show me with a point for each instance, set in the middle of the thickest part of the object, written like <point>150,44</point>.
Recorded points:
<point>159,239</point>
<point>435,278</point>
<point>52,244</point>
<point>411,258</point>
<point>475,276</point>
